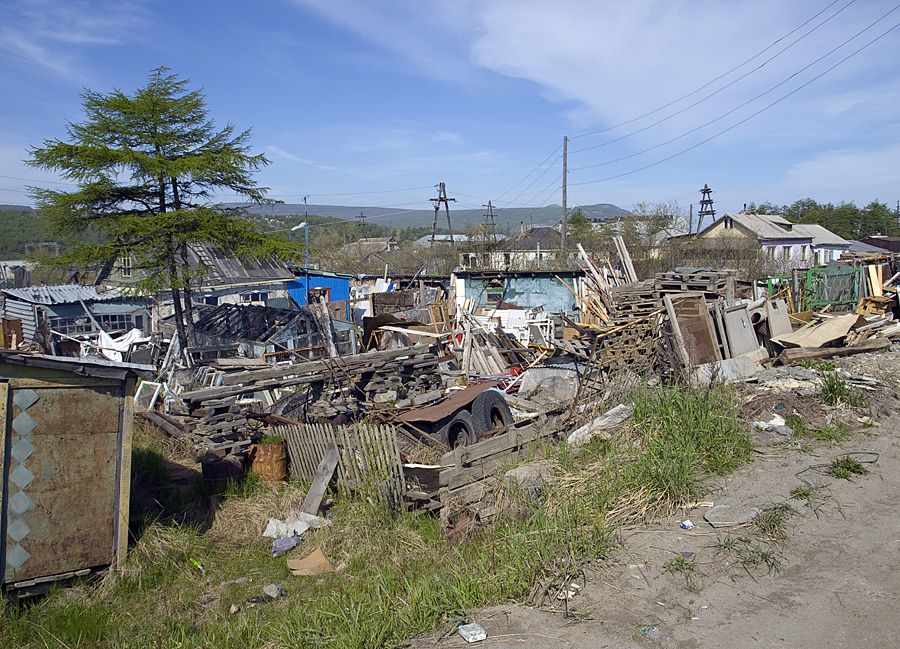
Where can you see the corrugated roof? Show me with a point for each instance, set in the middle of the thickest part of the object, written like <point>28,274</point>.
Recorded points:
<point>223,270</point>
<point>65,294</point>
<point>68,294</point>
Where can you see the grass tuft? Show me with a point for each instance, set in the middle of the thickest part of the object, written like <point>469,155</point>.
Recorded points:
<point>845,468</point>
<point>836,391</point>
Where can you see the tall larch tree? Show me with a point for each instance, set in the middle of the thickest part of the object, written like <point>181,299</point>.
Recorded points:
<point>147,167</point>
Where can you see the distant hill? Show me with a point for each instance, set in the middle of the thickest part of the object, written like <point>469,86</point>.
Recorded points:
<point>395,218</point>
<point>16,208</point>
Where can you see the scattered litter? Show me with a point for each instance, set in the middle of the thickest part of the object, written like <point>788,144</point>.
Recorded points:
<point>472,633</point>
<point>687,524</point>
<point>239,580</point>
<point>280,546</point>
<point>651,632</point>
<point>295,525</point>
<point>725,515</point>
<point>314,563</point>
<point>777,420</point>
<point>198,566</point>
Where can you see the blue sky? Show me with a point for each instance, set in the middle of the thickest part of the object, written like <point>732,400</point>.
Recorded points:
<point>368,102</point>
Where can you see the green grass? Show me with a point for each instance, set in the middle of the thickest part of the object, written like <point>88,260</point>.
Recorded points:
<point>845,468</point>
<point>836,391</point>
<point>836,432</point>
<point>771,523</point>
<point>398,573</point>
<point>820,364</point>
<point>680,564</point>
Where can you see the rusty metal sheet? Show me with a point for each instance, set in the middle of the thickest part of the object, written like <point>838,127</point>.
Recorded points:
<point>449,405</point>
<point>61,485</point>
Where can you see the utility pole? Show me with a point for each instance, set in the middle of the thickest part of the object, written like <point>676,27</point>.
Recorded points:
<point>489,222</point>
<point>565,203</point>
<point>442,198</point>
<point>362,218</point>
<point>706,206</point>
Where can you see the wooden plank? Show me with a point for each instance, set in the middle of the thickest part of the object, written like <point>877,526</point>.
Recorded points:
<point>323,475</point>
<point>123,470</point>
<point>796,354</point>
<point>158,420</point>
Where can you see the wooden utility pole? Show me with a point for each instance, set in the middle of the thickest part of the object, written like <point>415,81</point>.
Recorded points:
<point>362,218</point>
<point>706,206</point>
<point>442,198</point>
<point>565,204</point>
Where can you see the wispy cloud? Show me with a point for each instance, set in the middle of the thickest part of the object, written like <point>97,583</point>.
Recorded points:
<point>50,34</point>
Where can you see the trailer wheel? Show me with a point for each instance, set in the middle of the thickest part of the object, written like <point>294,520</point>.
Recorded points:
<point>459,430</point>
<point>490,411</point>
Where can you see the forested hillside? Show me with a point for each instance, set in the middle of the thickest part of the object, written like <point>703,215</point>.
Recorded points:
<point>19,227</point>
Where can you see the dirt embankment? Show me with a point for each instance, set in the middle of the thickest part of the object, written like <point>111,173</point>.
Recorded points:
<point>819,569</point>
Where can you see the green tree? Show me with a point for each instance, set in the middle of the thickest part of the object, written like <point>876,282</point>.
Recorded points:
<point>146,167</point>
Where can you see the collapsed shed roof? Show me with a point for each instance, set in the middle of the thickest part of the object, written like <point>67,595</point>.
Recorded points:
<point>249,322</point>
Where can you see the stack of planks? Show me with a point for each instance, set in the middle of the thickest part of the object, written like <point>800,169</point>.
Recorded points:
<point>218,424</point>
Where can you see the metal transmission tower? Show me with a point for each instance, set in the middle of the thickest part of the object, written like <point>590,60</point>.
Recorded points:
<point>565,202</point>
<point>442,198</point>
<point>489,224</point>
<point>706,207</point>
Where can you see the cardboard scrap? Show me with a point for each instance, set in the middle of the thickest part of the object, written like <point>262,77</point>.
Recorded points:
<point>820,334</point>
<point>314,563</point>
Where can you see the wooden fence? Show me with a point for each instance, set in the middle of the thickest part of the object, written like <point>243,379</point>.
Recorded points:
<point>368,457</point>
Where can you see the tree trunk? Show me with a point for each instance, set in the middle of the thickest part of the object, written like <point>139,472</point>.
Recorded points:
<point>179,319</point>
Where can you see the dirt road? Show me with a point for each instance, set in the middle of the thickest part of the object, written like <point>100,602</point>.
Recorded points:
<point>832,581</point>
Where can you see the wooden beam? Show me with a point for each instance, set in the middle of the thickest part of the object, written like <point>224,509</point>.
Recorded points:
<point>323,476</point>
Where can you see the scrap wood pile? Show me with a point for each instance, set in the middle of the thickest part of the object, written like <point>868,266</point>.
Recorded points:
<point>222,419</point>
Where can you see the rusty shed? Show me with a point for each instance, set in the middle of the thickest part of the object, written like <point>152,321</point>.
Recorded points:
<point>65,467</point>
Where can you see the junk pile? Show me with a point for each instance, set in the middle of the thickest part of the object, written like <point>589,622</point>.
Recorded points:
<point>432,390</point>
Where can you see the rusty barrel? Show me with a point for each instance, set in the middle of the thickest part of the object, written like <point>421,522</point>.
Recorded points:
<point>269,461</point>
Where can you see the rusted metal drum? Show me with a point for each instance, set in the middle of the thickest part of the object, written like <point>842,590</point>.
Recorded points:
<point>269,461</point>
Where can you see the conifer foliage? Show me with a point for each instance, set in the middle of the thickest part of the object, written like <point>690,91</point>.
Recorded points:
<point>147,166</point>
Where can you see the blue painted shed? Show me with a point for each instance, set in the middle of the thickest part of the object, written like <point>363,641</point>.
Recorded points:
<point>335,285</point>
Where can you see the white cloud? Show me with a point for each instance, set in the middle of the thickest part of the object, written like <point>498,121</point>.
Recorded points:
<point>284,155</point>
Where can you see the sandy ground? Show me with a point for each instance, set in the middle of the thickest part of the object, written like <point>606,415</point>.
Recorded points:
<point>834,582</point>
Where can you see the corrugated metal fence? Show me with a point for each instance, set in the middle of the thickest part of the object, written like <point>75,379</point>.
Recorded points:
<point>368,457</point>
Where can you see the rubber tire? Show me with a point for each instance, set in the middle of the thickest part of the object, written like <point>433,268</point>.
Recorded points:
<point>490,411</point>
<point>459,430</point>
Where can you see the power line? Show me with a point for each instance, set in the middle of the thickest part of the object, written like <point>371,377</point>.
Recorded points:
<point>723,88</point>
<point>712,81</point>
<point>552,154</point>
<point>749,117</point>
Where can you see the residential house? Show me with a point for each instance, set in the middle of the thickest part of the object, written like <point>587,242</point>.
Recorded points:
<point>533,248</point>
<point>793,245</point>
<point>227,280</point>
<point>73,310</point>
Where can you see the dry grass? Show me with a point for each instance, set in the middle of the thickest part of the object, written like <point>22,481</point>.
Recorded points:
<point>242,520</point>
